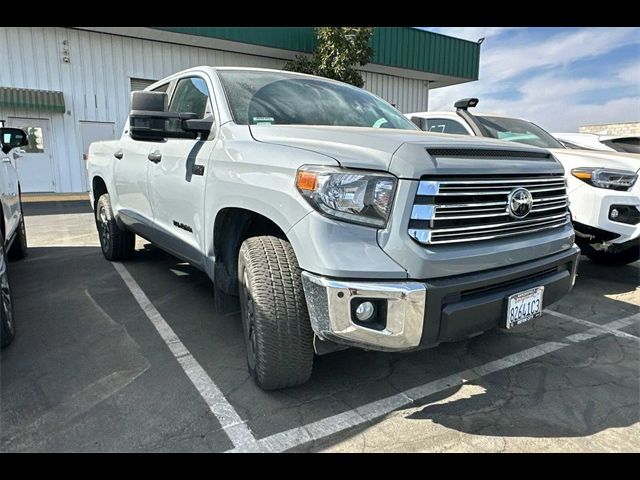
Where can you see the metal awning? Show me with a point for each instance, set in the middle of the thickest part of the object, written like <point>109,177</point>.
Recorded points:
<point>29,99</point>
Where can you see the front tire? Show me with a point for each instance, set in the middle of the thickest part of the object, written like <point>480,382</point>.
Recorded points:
<point>7,314</point>
<point>117,243</point>
<point>623,257</point>
<point>275,320</point>
<point>18,248</point>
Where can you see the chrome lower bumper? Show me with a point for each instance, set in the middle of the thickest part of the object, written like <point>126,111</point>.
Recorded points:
<point>329,304</point>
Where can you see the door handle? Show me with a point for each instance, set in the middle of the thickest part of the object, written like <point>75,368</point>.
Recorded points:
<point>118,154</point>
<point>155,156</point>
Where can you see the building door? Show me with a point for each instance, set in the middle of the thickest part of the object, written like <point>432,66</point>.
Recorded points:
<point>35,167</point>
<point>94,132</point>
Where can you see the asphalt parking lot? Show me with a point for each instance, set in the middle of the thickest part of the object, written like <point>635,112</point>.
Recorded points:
<point>134,359</point>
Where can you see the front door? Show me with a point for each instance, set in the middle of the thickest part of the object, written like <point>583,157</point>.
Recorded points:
<point>35,167</point>
<point>177,176</point>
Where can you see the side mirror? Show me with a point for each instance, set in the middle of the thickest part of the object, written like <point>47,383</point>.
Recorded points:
<point>11,138</point>
<point>420,122</point>
<point>198,125</point>
<point>148,119</point>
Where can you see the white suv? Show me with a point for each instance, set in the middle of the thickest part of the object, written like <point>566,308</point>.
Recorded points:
<point>13,239</point>
<point>603,187</point>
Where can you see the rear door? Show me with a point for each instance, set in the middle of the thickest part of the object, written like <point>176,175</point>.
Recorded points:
<point>177,178</point>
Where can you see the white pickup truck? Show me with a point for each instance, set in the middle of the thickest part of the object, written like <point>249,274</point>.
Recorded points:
<point>331,217</point>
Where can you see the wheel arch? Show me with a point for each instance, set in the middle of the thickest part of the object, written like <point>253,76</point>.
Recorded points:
<point>99,188</point>
<point>232,226</point>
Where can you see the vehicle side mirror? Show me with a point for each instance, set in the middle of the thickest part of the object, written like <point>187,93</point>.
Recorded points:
<point>11,138</point>
<point>198,125</point>
<point>420,122</point>
<point>148,119</point>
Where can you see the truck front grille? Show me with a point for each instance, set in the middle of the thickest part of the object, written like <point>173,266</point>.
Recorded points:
<point>476,208</point>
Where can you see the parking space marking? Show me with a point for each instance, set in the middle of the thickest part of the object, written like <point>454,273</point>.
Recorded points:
<point>235,428</point>
<point>612,331</point>
<point>326,427</point>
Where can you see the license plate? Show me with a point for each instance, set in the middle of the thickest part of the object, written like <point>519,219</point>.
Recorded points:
<point>524,306</point>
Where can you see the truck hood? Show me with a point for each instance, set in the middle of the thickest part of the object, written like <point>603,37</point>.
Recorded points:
<point>571,158</point>
<point>401,152</point>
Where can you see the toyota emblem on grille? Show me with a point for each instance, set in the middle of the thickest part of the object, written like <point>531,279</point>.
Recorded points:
<point>519,203</point>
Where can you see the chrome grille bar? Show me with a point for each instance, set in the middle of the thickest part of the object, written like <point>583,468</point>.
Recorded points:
<point>441,213</point>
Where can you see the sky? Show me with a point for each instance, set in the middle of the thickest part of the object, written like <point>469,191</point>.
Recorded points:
<point>559,78</point>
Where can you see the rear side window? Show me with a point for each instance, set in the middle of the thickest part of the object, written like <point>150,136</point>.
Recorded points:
<point>444,125</point>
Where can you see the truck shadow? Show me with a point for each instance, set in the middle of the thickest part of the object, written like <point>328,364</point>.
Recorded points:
<point>578,390</point>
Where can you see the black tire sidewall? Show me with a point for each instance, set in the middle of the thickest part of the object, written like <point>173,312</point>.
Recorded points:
<point>18,248</point>
<point>623,257</point>
<point>245,291</point>
<point>6,335</point>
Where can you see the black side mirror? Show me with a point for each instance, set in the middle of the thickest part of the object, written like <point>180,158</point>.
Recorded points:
<point>11,138</point>
<point>420,122</point>
<point>198,125</point>
<point>148,119</point>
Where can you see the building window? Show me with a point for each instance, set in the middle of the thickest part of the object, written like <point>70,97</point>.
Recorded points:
<point>138,84</point>
<point>34,136</point>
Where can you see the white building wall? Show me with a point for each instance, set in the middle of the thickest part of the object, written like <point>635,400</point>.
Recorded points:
<point>96,81</point>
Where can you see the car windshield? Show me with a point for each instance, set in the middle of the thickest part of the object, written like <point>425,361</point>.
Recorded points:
<point>519,131</point>
<point>281,98</point>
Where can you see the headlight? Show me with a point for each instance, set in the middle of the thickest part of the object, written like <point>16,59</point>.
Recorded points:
<point>606,177</point>
<point>355,196</point>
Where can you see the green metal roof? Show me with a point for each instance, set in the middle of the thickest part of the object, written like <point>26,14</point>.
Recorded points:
<point>25,98</point>
<point>400,47</point>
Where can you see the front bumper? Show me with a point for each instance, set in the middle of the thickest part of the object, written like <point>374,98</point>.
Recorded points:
<point>591,206</point>
<point>425,313</point>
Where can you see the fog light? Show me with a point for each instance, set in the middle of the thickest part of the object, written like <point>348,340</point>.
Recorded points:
<point>614,213</point>
<point>365,311</point>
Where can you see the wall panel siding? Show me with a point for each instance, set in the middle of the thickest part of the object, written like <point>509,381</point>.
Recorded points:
<point>96,81</point>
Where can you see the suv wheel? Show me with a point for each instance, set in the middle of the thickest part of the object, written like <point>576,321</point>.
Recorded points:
<point>622,257</point>
<point>7,317</point>
<point>18,248</point>
<point>275,320</point>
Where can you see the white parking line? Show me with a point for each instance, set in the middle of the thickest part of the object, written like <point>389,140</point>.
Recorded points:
<point>326,427</point>
<point>586,323</point>
<point>244,440</point>
<point>235,428</point>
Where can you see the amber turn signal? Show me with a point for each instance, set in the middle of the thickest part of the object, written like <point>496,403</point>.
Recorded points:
<point>306,180</point>
<point>581,174</point>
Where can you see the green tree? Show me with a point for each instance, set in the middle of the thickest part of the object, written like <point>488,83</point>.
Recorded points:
<point>338,51</point>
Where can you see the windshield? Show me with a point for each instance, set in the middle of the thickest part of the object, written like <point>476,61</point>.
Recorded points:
<point>280,98</point>
<point>519,131</point>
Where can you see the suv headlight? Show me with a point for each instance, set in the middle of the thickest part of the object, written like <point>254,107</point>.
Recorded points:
<point>356,196</point>
<point>606,177</point>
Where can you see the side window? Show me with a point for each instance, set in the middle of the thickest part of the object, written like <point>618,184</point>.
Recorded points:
<point>191,95</point>
<point>445,125</point>
<point>161,88</point>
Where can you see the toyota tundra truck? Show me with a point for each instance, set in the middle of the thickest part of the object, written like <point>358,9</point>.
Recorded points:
<point>330,217</point>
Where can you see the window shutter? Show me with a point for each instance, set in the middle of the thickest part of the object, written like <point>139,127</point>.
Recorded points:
<point>140,84</point>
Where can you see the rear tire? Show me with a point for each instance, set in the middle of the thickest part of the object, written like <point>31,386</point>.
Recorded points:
<point>612,259</point>
<point>18,248</point>
<point>7,314</point>
<point>117,243</point>
<point>275,320</point>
